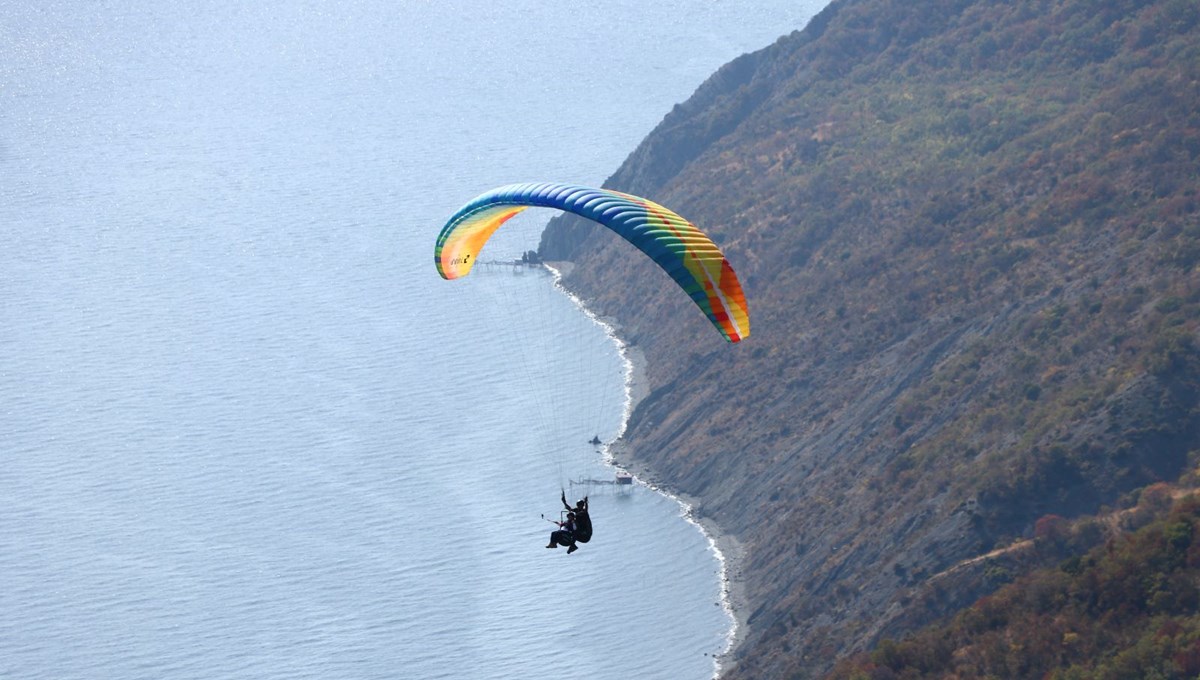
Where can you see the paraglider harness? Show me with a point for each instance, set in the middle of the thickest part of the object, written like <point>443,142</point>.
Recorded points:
<point>583,521</point>
<point>579,531</point>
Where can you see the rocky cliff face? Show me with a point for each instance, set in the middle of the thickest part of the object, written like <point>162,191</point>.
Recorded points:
<point>969,233</point>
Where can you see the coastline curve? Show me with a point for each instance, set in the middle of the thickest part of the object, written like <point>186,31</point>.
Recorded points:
<point>727,550</point>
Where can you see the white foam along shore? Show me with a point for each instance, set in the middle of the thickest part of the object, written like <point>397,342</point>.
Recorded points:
<point>728,551</point>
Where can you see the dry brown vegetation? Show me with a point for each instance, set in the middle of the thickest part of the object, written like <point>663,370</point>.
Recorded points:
<point>969,233</point>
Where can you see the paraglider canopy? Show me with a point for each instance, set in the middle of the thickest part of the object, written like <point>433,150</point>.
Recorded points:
<point>691,258</point>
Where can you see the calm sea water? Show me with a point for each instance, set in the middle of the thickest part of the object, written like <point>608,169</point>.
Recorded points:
<point>245,429</point>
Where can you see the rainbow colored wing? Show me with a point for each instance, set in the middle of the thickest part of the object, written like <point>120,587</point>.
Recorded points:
<point>676,245</point>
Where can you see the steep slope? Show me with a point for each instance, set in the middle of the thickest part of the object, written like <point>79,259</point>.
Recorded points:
<point>969,233</point>
<point>1128,609</point>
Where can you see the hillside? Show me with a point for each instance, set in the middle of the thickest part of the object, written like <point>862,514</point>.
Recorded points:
<point>969,233</point>
<point>1127,609</point>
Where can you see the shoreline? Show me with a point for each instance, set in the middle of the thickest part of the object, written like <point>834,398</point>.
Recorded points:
<point>727,549</point>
